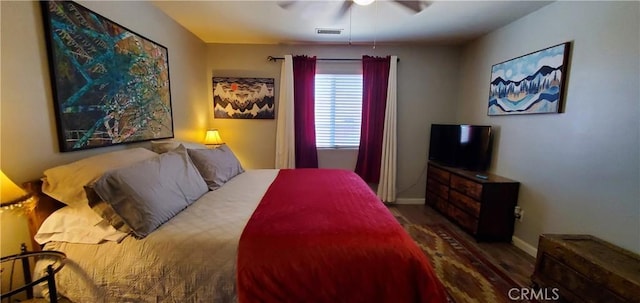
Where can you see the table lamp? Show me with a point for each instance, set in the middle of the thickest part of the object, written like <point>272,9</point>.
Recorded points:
<point>11,195</point>
<point>213,138</point>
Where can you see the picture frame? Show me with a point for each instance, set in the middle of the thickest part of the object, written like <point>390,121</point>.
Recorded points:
<point>110,85</point>
<point>530,84</point>
<point>243,98</point>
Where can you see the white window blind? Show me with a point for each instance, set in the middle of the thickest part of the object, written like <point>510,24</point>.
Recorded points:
<point>338,110</point>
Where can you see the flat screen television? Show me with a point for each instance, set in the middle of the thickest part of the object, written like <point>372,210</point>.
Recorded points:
<point>461,146</point>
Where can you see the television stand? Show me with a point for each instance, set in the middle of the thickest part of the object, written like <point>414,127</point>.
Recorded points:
<point>481,203</point>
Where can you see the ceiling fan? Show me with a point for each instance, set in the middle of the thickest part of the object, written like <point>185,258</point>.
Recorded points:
<point>415,6</point>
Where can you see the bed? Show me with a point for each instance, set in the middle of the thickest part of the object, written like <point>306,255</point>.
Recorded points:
<point>296,235</point>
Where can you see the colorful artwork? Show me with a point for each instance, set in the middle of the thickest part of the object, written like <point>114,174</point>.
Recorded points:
<point>530,84</point>
<point>243,98</point>
<point>110,85</point>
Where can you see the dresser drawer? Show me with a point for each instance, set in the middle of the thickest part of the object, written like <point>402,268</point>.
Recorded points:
<point>464,202</point>
<point>439,174</point>
<point>433,199</point>
<point>442,205</point>
<point>467,187</point>
<point>436,202</point>
<point>438,188</point>
<point>465,220</point>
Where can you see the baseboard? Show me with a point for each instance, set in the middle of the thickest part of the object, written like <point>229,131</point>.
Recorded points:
<point>410,201</point>
<point>524,246</point>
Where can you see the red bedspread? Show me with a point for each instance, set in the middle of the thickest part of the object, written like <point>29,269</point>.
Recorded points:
<point>321,235</point>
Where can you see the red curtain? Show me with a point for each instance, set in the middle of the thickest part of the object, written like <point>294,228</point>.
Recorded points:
<point>375,77</point>
<point>304,83</point>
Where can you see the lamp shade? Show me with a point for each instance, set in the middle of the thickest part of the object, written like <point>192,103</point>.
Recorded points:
<point>10,193</point>
<point>363,2</point>
<point>212,137</point>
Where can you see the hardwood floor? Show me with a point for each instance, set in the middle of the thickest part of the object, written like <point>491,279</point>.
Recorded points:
<point>515,262</point>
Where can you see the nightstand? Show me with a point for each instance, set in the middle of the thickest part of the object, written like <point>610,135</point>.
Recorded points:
<point>13,263</point>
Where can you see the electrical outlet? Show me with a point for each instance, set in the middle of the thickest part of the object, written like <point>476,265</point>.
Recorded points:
<point>518,213</point>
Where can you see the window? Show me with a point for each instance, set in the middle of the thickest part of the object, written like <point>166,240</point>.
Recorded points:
<point>338,110</point>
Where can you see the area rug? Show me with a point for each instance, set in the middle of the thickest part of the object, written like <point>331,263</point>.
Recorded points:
<point>465,273</point>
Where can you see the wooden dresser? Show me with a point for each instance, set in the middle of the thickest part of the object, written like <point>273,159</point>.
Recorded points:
<point>482,207</point>
<point>586,269</point>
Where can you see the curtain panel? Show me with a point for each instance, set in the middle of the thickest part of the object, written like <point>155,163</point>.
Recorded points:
<point>388,166</point>
<point>304,74</point>
<point>285,140</point>
<point>375,77</point>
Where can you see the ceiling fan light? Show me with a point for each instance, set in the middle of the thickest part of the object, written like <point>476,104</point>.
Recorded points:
<point>363,2</point>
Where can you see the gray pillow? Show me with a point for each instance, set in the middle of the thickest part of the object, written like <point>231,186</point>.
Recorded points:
<point>164,146</point>
<point>217,165</point>
<point>105,210</point>
<point>149,193</point>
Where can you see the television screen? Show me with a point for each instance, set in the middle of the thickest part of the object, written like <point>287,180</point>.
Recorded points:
<point>460,145</point>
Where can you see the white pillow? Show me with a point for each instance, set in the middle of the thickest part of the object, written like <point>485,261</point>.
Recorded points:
<point>169,145</point>
<point>77,225</point>
<point>66,183</point>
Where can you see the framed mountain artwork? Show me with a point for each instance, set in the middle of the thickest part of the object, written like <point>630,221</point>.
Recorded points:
<point>110,85</point>
<point>530,84</point>
<point>243,98</point>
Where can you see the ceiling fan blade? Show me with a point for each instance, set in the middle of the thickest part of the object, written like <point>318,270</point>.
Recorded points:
<point>346,5</point>
<point>286,4</point>
<point>415,6</point>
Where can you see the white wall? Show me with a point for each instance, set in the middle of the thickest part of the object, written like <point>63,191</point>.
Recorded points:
<point>28,140</point>
<point>426,94</point>
<point>579,170</point>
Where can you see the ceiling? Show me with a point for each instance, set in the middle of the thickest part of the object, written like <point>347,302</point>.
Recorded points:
<point>384,21</point>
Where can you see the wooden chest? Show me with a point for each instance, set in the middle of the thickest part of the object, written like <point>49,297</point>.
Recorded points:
<point>586,269</point>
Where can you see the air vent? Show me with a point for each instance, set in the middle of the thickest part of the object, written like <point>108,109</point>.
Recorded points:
<point>328,31</point>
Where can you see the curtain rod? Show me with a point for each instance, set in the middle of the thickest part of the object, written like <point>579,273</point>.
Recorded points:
<point>274,59</point>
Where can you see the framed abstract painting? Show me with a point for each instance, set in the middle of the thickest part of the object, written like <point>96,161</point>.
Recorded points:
<point>243,98</point>
<point>530,84</point>
<point>110,85</point>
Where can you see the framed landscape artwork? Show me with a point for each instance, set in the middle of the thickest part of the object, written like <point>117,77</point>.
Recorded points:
<point>530,84</point>
<point>243,98</point>
<point>110,85</point>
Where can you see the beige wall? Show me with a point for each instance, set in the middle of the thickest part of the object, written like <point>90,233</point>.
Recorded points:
<point>580,170</point>
<point>28,140</point>
<point>426,94</point>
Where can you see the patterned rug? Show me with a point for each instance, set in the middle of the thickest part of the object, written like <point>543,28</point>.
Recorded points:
<point>465,273</point>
